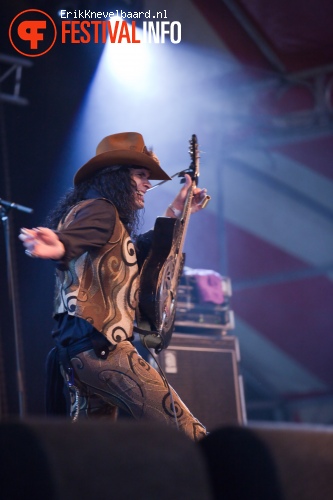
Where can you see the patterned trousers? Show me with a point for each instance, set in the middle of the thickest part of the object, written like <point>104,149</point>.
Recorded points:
<point>127,381</point>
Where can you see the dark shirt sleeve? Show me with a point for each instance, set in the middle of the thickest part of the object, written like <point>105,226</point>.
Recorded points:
<point>91,228</point>
<point>143,245</point>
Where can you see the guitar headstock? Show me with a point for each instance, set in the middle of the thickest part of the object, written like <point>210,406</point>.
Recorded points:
<point>193,170</point>
<point>194,155</point>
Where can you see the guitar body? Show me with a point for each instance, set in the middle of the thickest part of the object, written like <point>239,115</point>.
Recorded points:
<point>159,278</point>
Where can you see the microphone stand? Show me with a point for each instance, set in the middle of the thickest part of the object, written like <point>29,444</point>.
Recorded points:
<point>5,207</point>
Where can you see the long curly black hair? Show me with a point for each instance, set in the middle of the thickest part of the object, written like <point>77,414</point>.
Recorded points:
<point>115,184</point>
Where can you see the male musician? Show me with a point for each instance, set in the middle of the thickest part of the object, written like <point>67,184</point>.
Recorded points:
<point>97,278</point>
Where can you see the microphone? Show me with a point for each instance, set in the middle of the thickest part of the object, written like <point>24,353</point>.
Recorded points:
<point>10,204</point>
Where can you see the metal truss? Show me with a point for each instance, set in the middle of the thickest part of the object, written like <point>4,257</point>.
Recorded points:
<point>267,130</point>
<point>10,78</point>
<point>285,128</point>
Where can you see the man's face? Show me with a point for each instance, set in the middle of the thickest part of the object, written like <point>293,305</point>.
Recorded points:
<point>141,178</point>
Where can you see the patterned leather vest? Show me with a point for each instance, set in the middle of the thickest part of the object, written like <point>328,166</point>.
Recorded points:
<point>101,286</point>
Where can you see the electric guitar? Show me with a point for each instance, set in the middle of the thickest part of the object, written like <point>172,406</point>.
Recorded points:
<point>162,269</point>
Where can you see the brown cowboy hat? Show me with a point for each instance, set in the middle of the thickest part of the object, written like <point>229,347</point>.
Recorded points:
<point>126,148</point>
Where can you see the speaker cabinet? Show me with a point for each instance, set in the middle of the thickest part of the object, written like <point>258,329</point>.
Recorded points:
<point>204,370</point>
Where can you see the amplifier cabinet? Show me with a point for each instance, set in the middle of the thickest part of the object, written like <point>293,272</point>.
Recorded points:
<point>204,371</point>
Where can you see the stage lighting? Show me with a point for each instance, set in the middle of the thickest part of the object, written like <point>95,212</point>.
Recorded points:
<point>127,62</point>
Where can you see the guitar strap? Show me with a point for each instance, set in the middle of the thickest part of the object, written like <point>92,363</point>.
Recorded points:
<point>181,173</point>
<point>149,338</point>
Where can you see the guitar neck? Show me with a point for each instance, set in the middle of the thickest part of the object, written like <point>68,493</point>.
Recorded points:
<point>185,219</point>
<point>188,202</point>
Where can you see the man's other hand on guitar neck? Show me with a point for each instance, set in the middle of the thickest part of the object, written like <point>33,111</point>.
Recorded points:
<point>199,195</point>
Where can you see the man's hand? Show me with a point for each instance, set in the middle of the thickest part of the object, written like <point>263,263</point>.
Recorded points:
<point>42,242</point>
<point>178,203</point>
